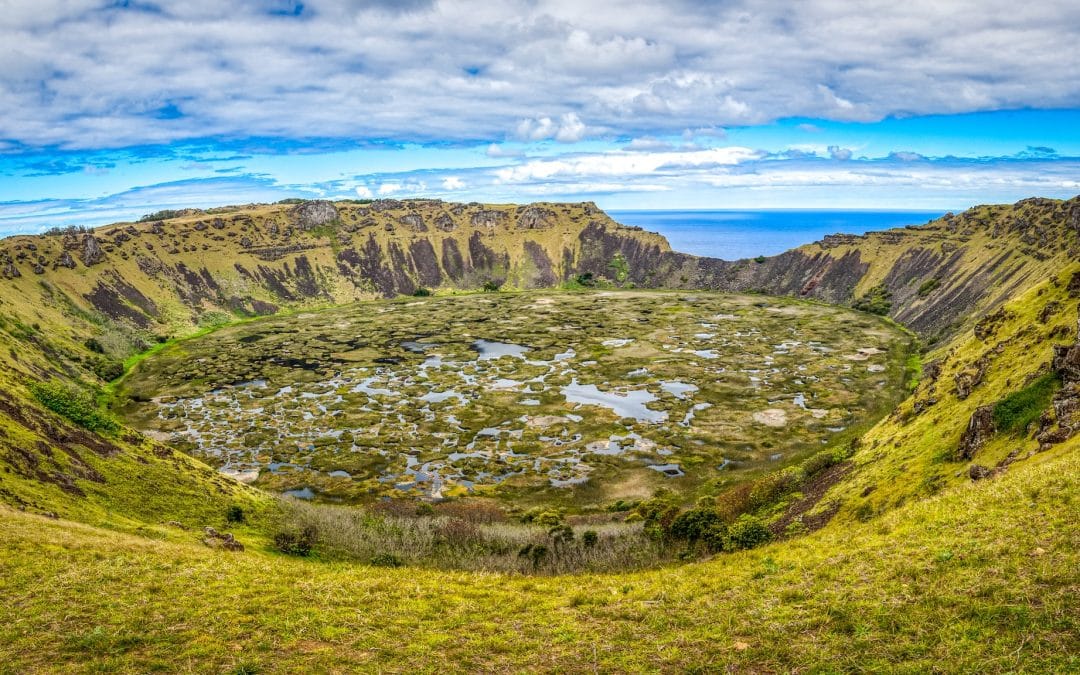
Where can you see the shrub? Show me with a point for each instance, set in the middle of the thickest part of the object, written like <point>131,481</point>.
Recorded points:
<point>491,286</point>
<point>1018,410</point>
<point>421,293</point>
<point>542,516</point>
<point>586,279</point>
<point>164,214</point>
<point>692,524</point>
<point>108,369</point>
<point>760,259</point>
<point>296,542</point>
<point>94,345</point>
<point>746,532</point>
<point>620,267</point>
<point>73,404</point>
<point>876,301</point>
<point>589,538</point>
<point>386,560</point>
<point>234,514</point>
<point>715,537</point>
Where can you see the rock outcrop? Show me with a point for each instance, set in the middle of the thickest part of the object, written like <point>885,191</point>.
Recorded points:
<point>313,214</point>
<point>980,429</point>
<point>91,251</point>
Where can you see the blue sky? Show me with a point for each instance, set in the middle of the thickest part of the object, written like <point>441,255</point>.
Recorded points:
<point>109,110</point>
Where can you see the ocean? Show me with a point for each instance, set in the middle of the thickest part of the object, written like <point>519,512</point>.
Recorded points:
<point>731,235</point>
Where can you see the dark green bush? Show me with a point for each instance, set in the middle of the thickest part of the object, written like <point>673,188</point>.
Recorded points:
<point>234,514</point>
<point>746,532</point>
<point>94,345</point>
<point>590,538</point>
<point>297,542</point>
<point>74,404</point>
<point>692,524</point>
<point>422,292</point>
<point>108,369</point>
<point>1018,410</point>
<point>876,301</point>
<point>491,286</point>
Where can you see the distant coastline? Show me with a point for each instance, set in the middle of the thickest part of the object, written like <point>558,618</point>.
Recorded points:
<point>734,234</point>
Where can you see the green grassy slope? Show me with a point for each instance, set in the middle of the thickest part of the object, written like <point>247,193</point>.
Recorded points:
<point>921,568</point>
<point>980,578</point>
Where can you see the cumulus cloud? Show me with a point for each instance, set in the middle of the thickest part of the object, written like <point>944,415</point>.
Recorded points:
<point>453,183</point>
<point>99,73</point>
<point>567,129</point>
<point>839,153</point>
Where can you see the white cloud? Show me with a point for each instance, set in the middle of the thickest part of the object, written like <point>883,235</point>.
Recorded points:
<point>92,73</point>
<point>364,192</point>
<point>453,183</point>
<point>567,129</point>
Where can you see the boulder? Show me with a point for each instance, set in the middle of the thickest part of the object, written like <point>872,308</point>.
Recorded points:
<point>487,218</point>
<point>222,540</point>
<point>91,251</point>
<point>979,430</point>
<point>979,472</point>
<point>313,214</point>
<point>65,260</point>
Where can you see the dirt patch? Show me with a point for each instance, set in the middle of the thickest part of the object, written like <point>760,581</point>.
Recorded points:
<point>813,492</point>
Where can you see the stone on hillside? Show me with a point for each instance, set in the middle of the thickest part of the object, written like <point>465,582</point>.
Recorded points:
<point>487,218</point>
<point>979,472</point>
<point>10,271</point>
<point>413,221</point>
<point>445,223</point>
<point>222,540</point>
<point>65,260</point>
<point>979,430</point>
<point>91,251</point>
<point>314,213</point>
<point>535,218</point>
<point>38,269</point>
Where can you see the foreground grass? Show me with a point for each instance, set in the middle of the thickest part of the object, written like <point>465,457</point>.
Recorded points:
<point>982,578</point>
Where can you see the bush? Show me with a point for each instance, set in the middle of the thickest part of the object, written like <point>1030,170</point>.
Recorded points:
<point>585,280</point>
<point>1019,409</point>
<point>691,525</point>
<point>234,514</point>
<point>760,259</point>
<point>94,345</point>
<point>164,214</point>
<point>746,532</point>
<point>542,516</point>
<point>715,537</point>
<point>491,286</point>
<point>297,542</point>
<point>589,538</point>
<point>876,301</point>
<point>108,369</point>
<point>386,560</point>
<point>421,293</point>
<point>73,404</point>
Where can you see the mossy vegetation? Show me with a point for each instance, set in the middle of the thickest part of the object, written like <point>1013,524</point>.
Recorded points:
<point>1018,411</point>
<point>75,404</point>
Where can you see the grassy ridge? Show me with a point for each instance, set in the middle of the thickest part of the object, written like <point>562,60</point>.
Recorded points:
<point>980,578</point>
